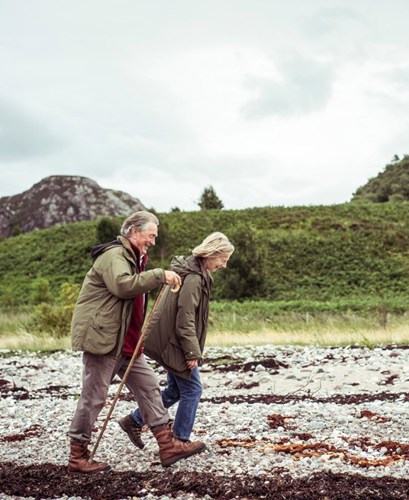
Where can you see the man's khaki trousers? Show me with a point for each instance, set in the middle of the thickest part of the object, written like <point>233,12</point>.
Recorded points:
<point>97,375</point>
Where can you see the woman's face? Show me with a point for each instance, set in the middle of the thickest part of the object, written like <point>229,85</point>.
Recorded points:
<point>214,263</point>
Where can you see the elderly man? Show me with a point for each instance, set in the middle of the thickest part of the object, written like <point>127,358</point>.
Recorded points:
<point>106,326</point>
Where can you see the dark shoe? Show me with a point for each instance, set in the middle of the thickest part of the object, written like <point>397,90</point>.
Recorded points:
<point>171,449</point>
<point>133,430</point>
<point>79,460</point>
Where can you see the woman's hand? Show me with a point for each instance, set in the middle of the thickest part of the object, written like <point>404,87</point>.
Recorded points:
<point>192,363</point>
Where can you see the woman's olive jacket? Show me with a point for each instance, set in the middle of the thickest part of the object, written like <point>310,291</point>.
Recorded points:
<point>104,307</point>
<point>177,328</point>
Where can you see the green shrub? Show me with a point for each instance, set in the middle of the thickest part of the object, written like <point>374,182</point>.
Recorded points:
<point>107,229</point>
<point>40,291</point>
<point>55,318</point>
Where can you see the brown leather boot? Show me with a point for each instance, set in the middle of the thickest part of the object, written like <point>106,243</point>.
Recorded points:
<point>171,449</point>
<point>79,459</point>
<point>133,430</point>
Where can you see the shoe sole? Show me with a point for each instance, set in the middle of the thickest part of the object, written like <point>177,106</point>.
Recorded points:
<point>173,460</point>
<point>74,471</point>
<point>141,447</point>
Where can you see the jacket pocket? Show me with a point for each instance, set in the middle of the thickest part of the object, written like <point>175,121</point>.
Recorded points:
<point>173,356</point>
<point>101,335</point>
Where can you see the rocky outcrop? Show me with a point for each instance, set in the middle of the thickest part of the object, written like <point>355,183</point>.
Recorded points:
<point>62,199</point>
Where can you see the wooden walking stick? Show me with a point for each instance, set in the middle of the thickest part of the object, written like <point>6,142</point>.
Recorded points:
<point>134,355</point>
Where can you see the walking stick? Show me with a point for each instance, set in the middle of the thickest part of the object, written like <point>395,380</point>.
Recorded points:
<point>135,353</point>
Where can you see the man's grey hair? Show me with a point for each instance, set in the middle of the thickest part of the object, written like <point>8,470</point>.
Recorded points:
<point>138,220</point>
<point>214,245</point>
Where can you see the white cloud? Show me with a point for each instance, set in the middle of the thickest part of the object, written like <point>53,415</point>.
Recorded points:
<point>271,103</point>
<point>304,86</point>
<point>23,134</point>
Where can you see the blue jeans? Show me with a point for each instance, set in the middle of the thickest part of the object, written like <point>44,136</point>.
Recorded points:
<point>188,394</point>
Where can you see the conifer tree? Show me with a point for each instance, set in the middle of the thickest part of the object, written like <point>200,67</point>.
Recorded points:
<point>209,200</point>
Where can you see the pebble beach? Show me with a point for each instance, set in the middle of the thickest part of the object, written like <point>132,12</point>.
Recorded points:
<point>265,411</point>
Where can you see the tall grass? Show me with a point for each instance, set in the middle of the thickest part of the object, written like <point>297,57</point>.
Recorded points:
<point>319,337</point>
<point>228,327</point>
<point>14,335</point>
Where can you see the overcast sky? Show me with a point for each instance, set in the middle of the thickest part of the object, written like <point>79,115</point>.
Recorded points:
<point>271,102</point>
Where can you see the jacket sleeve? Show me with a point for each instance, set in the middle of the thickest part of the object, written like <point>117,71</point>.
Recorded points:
<point>121,281</point>
<point>186,317</point>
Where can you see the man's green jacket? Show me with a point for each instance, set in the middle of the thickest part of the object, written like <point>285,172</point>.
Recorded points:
<point>103,310</point>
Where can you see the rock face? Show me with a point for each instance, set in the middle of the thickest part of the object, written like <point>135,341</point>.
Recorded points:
<point>62,199</point>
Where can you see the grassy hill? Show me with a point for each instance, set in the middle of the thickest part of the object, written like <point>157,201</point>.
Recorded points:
<point>392,184</point>
<point>339,257</point>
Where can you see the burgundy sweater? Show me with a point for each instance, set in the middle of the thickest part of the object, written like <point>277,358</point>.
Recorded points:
<point>138,314</point>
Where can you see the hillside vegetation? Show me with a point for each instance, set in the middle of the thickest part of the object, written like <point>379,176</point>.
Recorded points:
<point>392,184</point>
<point>350,257</point>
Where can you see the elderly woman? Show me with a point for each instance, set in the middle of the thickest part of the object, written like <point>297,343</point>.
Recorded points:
<point>176,335</point>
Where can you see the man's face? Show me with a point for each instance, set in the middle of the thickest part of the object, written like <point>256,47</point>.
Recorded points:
<point>144,239</point>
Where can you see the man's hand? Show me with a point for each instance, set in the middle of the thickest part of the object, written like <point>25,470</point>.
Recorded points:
<point>192,363</point>
<point>171,278</point>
